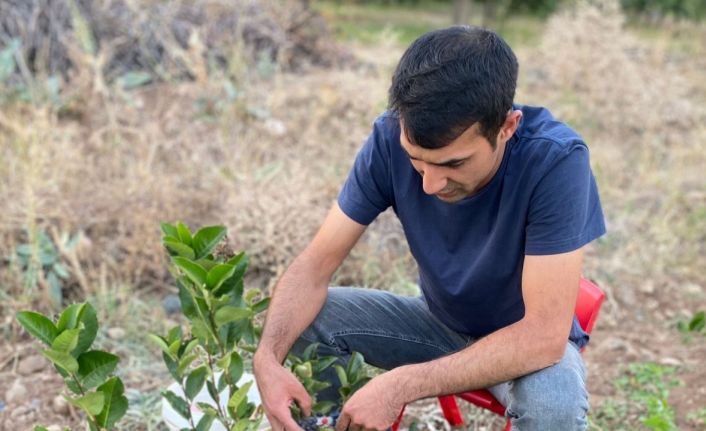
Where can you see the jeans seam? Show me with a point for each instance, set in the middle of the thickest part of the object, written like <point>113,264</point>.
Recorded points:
<point>385,335</point>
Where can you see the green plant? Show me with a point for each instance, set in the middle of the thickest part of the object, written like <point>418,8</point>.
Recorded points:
<point>353,377</point>
<point>221,327</point>
<point>40,261</point>
<point>29,88</point>
<point>69,340</point>
<point>695,325</point>
<point>308,369</point>
<point>643,391</point>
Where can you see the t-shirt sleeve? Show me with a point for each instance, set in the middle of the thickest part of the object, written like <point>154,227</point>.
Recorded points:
<point>565,211</point>
<point>368,189</point>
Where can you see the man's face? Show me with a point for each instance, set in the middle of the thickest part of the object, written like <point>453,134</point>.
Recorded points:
<point>463,167</point>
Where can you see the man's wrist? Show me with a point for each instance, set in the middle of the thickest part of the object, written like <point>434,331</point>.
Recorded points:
<point>410,386</point>
<point>263,357</point>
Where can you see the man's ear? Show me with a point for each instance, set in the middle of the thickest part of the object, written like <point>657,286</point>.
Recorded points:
<point>512,121</point>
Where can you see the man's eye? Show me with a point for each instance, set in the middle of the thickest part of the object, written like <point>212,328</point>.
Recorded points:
<point>455,165</point>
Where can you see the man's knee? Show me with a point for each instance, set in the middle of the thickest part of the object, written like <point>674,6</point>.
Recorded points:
<point>554,398</point>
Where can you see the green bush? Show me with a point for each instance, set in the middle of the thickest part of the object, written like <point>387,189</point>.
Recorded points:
<point>69,340</point>
<point>221,329</point>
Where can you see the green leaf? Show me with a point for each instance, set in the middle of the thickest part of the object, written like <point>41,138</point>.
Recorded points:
<point>169,230</point>
<point>698,322</point>
<point>195,381</point>
<point>229,314</point>
<point>355,363</point>
<point>115,405</point>
<point>207,263</point>
<point>239,260</point>
<point>38,326</point>
<point>61,271</point>
<point>239,396</point>
<point>205,423</point>
<point>70,317</point>
<point>207,238</point>
<point>55,293</point>
<point>223,362</point>
<point>185,362</point>
<point>7,59</point>
<point>323,407</point>
<point>178,404</point>
<point>160,342</point>
<point>39,428</point>
<point>66,341</point>
<point>70,383</point>
<point>190,346</point>
<point>218,275</point>
<point>172,366</point>
<point>174,348</point>
<point>310,352</point>
<point>200,331</point>
<point>240,425</point>
<point>90,403</point>
<point>236,366</point>
<point>84,316</point>
<point>207,409</point>
<point>184,234</point>
<point>324,363</point>
<point>304,371</point>
<point>250,295</point>
<point>62,359</point>
<point>188,307</point>
<point>261,305</point>
<point>193,270</point>
<point>133,79</point>
<point>174,334</point>
<point>341,373</point>
<point>180,249</point>
<point>95,366</point>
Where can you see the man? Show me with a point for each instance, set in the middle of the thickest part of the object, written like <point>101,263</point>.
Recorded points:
<point>496,202</point>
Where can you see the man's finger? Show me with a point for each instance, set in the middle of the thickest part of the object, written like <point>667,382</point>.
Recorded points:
<point>303,400</point>
<point>343,421</point>
<point>275,425</point>
<point>290,424</point>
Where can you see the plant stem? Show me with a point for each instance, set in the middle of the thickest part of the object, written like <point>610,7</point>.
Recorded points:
<point>91,418</point>
<point>224,419</point>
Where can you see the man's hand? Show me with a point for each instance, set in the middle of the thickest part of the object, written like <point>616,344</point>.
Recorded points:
<point>375,406</point>
<point>279,388</point>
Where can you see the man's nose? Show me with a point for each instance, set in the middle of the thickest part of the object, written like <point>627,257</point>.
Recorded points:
<point>433,181</point>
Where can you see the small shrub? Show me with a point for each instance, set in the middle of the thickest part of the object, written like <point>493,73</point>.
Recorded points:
<point>308,369</point>
<point>40,262</point>
<point>69,340</point>
<point>221,329</point>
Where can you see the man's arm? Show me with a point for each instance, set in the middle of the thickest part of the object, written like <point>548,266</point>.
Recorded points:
<point>549,289</point>
<point>297,299</point>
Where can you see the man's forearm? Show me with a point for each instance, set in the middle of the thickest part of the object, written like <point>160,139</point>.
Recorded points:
<point>297,299</point>
<point>506,354</point>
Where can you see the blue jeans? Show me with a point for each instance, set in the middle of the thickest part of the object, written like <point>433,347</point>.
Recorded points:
<point>391,330</point>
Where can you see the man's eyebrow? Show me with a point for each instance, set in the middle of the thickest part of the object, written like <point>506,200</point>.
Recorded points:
<point>445,163</point>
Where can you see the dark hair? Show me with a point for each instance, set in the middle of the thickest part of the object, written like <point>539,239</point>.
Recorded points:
<point>450,79</point>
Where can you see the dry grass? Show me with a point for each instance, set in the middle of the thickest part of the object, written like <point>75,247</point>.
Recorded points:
<point>268,162</point>
<point>641,108</point>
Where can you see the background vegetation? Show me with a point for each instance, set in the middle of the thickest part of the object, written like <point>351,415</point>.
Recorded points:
<point>116,116</point>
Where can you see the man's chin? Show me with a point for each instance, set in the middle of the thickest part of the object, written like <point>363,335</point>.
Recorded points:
<point>450,198</point>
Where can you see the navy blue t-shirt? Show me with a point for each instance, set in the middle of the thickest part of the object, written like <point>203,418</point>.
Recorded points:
<point>542,200</point>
